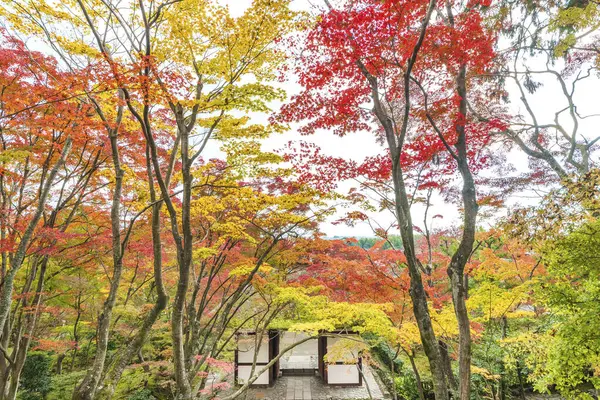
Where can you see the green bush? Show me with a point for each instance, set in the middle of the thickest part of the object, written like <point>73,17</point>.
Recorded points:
<point>36,381</point>
<point>64,384</point>
<point>385,353</point>
<point>137,384</point>
<point>142,394</point>
<point>406,386</point>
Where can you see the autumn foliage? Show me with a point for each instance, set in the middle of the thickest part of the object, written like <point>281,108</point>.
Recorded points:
<point>147,217</point>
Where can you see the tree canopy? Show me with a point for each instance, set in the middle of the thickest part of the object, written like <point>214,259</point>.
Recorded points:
<point>150,214</point>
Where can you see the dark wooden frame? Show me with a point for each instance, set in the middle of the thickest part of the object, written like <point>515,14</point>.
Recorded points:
<point>273,343</point>
<point>322,351</point>
<point>323,366</point>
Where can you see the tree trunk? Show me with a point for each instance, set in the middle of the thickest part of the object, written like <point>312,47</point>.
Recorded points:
<point>417,377</point>
<point>456,269</point>
<point>393,374</point>
<point>184,257</point>
<point>19,255</point>
<point>395,140</point>
<point>364,379</point>
<point>122,359</point>
<point>452,383</point>
<point>76,333</point>
<point>107,388</point>
<point>86,390</point>
<point>20,352</point>
<point>59,363</point>
<point>464,336</point>
<point>417,291</point>
<point>502,387</point>
<point>521,385</point>
<point>4,362</point>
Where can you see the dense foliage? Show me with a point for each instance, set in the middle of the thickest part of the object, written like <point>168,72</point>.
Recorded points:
<point>144,222</point>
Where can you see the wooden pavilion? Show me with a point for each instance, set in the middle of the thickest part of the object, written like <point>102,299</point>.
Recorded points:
<point>248,360</point>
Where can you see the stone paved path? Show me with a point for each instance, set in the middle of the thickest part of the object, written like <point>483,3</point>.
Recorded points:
<point>298,388</point>
<point>312,388</point>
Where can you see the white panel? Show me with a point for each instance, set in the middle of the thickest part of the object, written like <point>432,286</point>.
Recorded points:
<point>246,350</point>
<point>342,374</point>
<point>345,356</point>
<point>244,374</point>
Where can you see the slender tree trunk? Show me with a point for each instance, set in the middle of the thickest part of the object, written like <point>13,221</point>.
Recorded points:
<point>20,354</point>
<point>115,371</point>
<point>502,387</point>
<point>19,255</point>
<point>86,390</point>
<point>417,291</point>
<point>456,269</point>
<point>4,362</point>
<point>75,333</point>
<point>521,384</point>
<point>59,363</point>
<point>493,391</point>
<point>393,374</point>
<point>395,139</point>
<point>464,336</point>
<point>362,374</point>
<point>15,375</point>
<point>452,382</point>
<point>417,377</point>
<point>184,260</point>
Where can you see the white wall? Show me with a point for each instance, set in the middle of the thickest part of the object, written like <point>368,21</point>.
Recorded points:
<point>246,350</point>
<point>244,375</point>
<point>343,374</point>
<point>348,354</point>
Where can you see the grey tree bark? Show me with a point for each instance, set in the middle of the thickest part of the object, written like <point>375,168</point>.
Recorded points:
<point>395,139</point>
<point>116,368</point>
<point>86,390</point>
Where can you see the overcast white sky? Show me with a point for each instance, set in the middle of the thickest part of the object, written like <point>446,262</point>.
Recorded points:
<point>545,102</point>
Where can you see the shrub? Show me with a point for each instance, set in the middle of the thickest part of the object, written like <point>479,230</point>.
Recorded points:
<point>406,386</point>
<point>142,394</point>
<point>64,384</point>
<point>36,381</point>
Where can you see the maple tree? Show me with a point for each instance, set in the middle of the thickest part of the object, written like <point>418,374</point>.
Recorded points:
<point>146,85</point>
<point>41,127</point>
<point>414,73</point>
<point>143,225</point>
<point>569,357</point>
